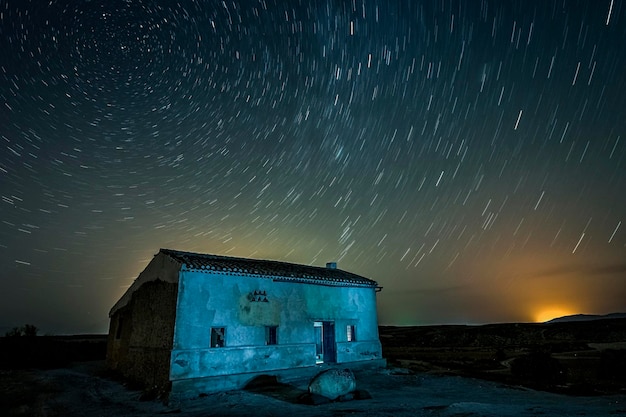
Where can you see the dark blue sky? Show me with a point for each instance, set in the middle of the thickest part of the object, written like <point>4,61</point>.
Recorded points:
<point>468,156</point>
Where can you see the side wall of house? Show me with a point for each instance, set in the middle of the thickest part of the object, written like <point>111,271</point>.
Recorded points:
<point>141,332</point>
<point>218,301</point>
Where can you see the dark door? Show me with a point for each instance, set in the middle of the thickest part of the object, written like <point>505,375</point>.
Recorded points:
<point>330,348</point>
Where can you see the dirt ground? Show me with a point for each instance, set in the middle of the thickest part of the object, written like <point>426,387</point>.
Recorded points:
<point>85,389</point>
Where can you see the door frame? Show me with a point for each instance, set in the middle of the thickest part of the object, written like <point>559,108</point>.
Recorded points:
<point>326,348</point>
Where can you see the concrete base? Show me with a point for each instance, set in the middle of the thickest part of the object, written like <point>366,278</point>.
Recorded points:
<point>192,388</point>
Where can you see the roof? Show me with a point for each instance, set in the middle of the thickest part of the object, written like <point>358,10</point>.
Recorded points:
<point>278,271</point>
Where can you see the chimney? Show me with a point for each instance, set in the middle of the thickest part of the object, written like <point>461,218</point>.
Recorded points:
<point>331,265</point>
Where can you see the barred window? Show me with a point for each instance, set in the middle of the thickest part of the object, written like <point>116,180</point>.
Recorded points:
<point>351,333</point>
<point>271,335</point>
<point>218,337</point>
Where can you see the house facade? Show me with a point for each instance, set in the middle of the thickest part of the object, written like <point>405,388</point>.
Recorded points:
<point>198,323</point>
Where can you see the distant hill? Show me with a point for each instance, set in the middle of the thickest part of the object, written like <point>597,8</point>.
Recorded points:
<point>587,317</point>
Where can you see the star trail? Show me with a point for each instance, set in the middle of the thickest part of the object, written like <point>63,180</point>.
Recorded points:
<point>468,156</point>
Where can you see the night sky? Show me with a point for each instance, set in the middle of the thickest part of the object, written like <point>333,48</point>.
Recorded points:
<point>470,156</point>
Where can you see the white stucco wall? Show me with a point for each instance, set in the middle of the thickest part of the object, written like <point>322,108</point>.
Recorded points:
<point>214,300</point>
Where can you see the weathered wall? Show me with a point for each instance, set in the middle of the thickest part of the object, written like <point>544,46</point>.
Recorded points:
<point>117,347</point>
<point>142,352</point>
<point>146,314</point>
<point>220,361</point>
<point>213,300</point>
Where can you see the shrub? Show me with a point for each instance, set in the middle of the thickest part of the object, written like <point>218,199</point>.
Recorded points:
<point>538,367</point>
<point>28,330</point>
<point>613,365</point>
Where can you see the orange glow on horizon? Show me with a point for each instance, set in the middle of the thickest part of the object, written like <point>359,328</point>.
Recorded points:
<point>549,313</point>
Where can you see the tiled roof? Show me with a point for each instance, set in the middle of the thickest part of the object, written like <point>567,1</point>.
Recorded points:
<point>280,271</point>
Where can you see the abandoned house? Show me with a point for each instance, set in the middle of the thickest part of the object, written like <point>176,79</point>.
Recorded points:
<point>197,323</point>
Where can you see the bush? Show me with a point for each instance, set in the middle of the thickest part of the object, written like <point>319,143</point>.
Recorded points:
<point>28,330</point>
<point>47,352</point>
<point>613,365</point>
<point>538,367</point>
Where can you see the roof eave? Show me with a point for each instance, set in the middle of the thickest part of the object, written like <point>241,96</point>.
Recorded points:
<point>283,278</point>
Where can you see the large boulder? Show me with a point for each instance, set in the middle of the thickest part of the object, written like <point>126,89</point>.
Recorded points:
<point>333,383</point>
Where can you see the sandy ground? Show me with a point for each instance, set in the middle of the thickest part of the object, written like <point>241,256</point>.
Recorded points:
<point>83,390</point>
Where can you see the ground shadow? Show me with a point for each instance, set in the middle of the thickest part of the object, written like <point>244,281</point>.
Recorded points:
<point>269,386</point>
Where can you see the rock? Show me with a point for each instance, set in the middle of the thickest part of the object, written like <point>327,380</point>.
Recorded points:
<point>333,383</point>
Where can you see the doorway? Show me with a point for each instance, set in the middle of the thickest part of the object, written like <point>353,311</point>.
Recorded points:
<point>325,348</point>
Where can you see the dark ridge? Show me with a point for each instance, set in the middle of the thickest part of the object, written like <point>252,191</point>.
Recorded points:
<point>587,317</point>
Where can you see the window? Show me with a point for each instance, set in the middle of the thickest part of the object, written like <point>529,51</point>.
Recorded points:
<point>218,337</point>
<point>351,333</point>
<point>271,335</point>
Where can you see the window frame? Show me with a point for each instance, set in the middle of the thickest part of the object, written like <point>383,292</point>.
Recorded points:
<point>351,332</point>
<point>218,333</point>
<point>269,340</point>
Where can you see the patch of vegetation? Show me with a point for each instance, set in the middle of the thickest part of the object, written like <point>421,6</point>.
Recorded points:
<point>27,330</point>
<point>613,365</point>
<point>539,367</point>
<point>21,349</point>
<point>575,358</point>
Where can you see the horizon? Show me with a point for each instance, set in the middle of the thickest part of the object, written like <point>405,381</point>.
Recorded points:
<point>40,332</point>
<point>469,157</point>
<point>44,332</point>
